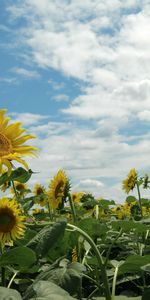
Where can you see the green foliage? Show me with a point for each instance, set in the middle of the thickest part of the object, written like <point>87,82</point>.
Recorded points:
<point>20,257</point>
<point>131,199</point>
<point>20,175</point>
<point>129,225</point>
<point>120,298</point>
<point>9,294</point>
<point>93,227</point>
<point>134,263</point>
<point>50,291</point>
<point>47,237</point>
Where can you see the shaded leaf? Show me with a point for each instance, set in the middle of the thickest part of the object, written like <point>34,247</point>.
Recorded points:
<point>49,291</point>
<point>20,256</point>
<point>134,263</point>
<point>9,294</point>
<point>47,237</point>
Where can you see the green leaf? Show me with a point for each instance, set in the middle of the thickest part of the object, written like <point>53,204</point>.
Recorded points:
<point>146,268</point>
<point>128,225</point>
<point>146,294</point>
<point>21,175</point>
<point>93,227</point>
<point>29,234</point>
<point>131,199</point>
<point>105,203</point>
<point>19,256</point>
<point>4,178</point>
<point>49,291</point>
<point>134,263</point>
<point>9,294</point>
<point>68,275</point>
<point>120,298</point>
<point>47,237</point>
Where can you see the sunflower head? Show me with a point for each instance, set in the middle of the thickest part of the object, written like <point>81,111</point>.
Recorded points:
<point>40,192</point>
<point>145,181</point>
<point>58,190</point>
<point>39,189</point>
<point>76,197</point>
<point>11,221</point>
<point>21,188</point>
<point>12,142</point>
<point>129,183</point>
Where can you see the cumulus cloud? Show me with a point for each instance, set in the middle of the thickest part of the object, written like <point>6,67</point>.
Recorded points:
<point>103,45</point>
<point>25,73</point>
<point>28,119</point>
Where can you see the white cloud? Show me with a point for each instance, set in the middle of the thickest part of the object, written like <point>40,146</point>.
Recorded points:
<point>8,80</point>
<point>26,73</point>
<point>144,115</point>
<point>28,119</point>
<point>105,46</point>
<point>61,97</point>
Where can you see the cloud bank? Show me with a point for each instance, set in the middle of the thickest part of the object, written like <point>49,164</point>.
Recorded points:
<point>104,45</point>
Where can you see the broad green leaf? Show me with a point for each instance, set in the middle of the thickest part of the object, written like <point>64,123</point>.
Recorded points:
<point>105,203</point>
<point>93,227</point>
<point>9,294</point>
<point>29,234</point>
<point>128,225</point>
<point>67,275</point>
<point>131,199</point>
<point>120,298</point>
<point>21,175</point>
<point>116,263</point>
<point>4,178</point>
<point>49,291</point>
<point>47,237</point>
<point>134,263</point>
<point>146,268</point>
<point>146,294</point>
<point>19,256</point>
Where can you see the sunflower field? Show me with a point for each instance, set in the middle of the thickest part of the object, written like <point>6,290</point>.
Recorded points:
<point>59,244</point>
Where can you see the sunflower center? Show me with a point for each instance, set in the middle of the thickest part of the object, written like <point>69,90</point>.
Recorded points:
<point>20,187</point>
<point>5,145</point>
<point>58,188</point>
<point>39,191</point>
<point>7,220</point>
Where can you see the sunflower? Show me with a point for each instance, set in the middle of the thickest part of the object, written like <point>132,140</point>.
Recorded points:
<point>40,191</point>
<point>11,221</point>
<point>129,183</point>
<point>76,197</point>
<point>58,189</point>
<point>21,188</point>
<point>36,211</point>
<point>12,143</point>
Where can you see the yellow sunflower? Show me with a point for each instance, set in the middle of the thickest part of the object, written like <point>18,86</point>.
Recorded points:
<point>76,196</point>
<point>129,183</point>
<point>58,189</point>
<point>40,191</point>
<point>11,221</point>
<point>12,143</point>
<point>36,211</point>
<point>21,188</point>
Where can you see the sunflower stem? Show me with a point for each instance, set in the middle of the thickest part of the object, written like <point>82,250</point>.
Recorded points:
<point>50,212</point>
<point>3,268</point>
<point>114,282</point>
<point>11,280</point>
<point>99,259</point>
<point>95,249</point>
<point>139,196</point>
<point>72,208</point>
<point>15,191</point>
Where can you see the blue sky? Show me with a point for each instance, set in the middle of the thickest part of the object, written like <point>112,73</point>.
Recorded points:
<point>77,74</point>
